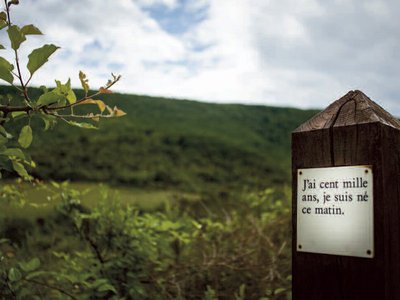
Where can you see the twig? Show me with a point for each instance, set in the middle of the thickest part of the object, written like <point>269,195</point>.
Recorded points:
<point>81,116</point>
<point>84,98</point>
<point>19,76</point>
<point>50,287</point>
<point>7,109</point>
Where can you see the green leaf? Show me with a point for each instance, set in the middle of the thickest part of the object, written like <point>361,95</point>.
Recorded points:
<point>50,98</point>
<point>36,274</point>
<point>3,20</point>
<point>66,91</point>
<point>20,169</point>
<point>2,47</point>
<point>17,114</point>
<point>5,133</point>
<point>82,125</point>
<point>14,152</point>
<point>106,288</point>
<point>279,291</point>
<point>30,30</point>
<point>5,70</point>
<point>16,36</point>
<point>3,24</point>
<point>49,121</point>
<point>14,274</point>
<point>25,137</point>
<point>40,56</point>
<point>71,97</point>
<point>31,265</point>
<point>15,2</point>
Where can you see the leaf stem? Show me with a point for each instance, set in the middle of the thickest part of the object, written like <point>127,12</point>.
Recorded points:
<point>19,75</point>
<point>29,79</point>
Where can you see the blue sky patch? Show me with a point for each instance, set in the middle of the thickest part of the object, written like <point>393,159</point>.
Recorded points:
<point>179,19</point>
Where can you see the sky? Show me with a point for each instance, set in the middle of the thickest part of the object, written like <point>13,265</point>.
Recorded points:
<point>298,53</point>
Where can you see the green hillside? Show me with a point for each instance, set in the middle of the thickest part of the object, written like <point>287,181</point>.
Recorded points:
<point>201,204</point>
<point>173,143</point>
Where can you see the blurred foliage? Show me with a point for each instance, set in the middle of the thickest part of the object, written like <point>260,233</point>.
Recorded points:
<point>168,143</point>
<point>116,251</point>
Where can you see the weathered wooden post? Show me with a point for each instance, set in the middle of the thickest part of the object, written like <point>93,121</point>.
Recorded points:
<point>346,210</point>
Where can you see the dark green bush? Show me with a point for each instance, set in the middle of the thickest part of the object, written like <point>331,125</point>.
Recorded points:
<point>116,251</point>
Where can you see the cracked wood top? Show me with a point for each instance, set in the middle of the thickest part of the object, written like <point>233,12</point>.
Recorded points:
<point>353,108</point>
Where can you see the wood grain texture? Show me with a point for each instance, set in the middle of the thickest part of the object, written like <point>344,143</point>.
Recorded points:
<point>352,131</point>
<point>353,108</point>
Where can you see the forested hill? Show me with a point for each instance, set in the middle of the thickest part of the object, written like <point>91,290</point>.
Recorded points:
<point>173,143</point>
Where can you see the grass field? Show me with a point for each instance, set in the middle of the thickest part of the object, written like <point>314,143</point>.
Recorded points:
<point>42,198</point>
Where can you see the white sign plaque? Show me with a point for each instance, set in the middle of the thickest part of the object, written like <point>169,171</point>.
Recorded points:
<point>335,211</point>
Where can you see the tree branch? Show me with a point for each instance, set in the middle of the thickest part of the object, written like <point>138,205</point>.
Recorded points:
<point>7,109</point>
<point>86,97</point>
<point>50,287</point>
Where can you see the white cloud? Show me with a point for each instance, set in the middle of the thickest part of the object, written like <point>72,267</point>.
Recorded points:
<point>93,37</point>
<point>377,8</point>
<point>290,52</point>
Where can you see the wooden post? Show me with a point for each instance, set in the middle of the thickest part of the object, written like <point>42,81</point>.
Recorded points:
<point>352,131</point>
